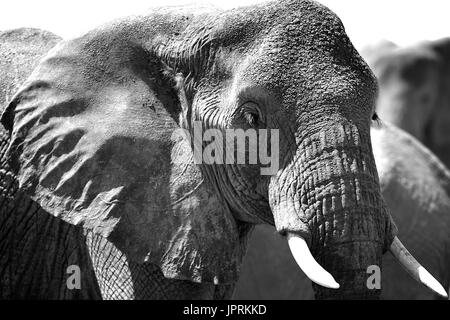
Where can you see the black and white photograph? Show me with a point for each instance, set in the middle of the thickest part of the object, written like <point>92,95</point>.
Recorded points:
<point>244,151</point>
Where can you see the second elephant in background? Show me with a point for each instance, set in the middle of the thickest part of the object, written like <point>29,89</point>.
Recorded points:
<point>415,90</point>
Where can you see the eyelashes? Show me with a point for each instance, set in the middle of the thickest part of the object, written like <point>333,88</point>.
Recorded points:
<point>376,120</point>
<point>252,114</point>
<point>252,118</point>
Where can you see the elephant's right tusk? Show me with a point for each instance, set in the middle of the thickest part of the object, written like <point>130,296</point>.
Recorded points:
<point>414,268</point>
<point>308,264</point>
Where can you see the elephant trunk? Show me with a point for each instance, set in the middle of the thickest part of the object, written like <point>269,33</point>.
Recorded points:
<point>351,272</point>
<point>329,195</point>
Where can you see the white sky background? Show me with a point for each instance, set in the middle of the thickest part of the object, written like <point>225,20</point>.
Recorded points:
<point>366,21</point>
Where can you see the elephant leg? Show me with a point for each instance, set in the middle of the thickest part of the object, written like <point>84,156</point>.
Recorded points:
<point>36,248</point>
<point>120,278</point>
<point>36,252</point>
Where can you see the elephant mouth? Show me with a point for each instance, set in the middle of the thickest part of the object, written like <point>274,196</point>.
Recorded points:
<point>317,274</point>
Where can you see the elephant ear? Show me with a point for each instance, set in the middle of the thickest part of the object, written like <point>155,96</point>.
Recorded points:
<point>92,141</point>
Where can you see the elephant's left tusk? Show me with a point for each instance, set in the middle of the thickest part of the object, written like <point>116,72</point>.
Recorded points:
<point>414,268</point>
<point>308,264</point>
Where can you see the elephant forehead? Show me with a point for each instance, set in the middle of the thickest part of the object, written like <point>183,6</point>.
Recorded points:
<point>307,50</point>
<point>294,27</point>
<point>294,13</point>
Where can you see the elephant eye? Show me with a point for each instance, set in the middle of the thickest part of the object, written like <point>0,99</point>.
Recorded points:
<point>252,118</point>
<point>376,119</point>
<point>252,114</point>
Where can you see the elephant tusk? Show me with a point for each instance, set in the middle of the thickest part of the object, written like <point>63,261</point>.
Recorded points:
<point>308,264</point>
<point>414,268</point>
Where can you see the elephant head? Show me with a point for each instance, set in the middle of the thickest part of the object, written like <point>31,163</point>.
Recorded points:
<point>414,85</point>
<point>94,143</point>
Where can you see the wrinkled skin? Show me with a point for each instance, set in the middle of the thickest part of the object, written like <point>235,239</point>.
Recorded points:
<point>30,237</point>
<point>33,237</point>
<point>416,187</point>
<point>93,144</point>
<point>415,90</point>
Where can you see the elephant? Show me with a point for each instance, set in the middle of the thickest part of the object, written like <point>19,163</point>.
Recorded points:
<point>415,90</point>
<point>416,187</point>
<point>109,136</point>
